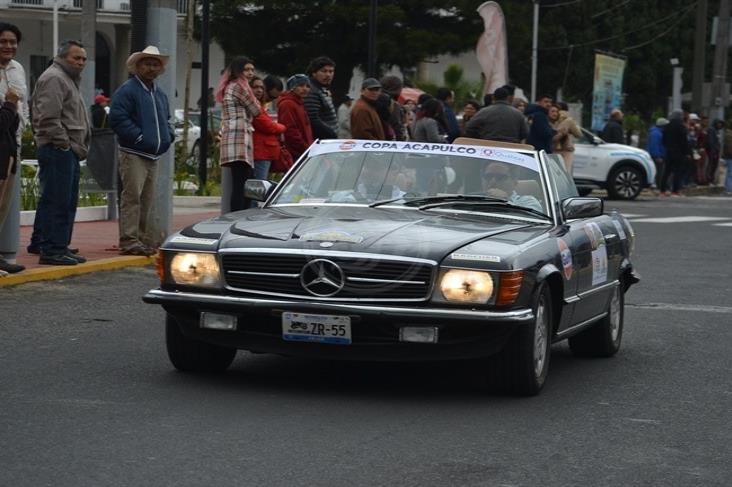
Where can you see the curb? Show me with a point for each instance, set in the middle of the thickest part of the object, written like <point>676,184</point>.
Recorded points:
<point>59,272</point>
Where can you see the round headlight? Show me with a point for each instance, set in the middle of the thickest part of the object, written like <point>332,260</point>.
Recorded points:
<point>463,286</point>
<point>195,269</point>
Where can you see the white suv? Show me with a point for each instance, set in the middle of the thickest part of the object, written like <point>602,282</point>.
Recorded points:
<point>194,133</point>
<point>622,170</point>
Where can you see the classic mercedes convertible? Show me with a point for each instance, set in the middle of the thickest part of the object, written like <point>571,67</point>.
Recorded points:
<point>403,251</point>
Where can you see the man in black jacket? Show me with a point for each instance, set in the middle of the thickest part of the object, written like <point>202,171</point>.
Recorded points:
<point>319,102</point>
<point>676,142</point>
<point>613,131</point>
<point>540,131</point>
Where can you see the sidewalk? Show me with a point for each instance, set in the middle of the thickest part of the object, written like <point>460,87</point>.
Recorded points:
<point>98,240</point>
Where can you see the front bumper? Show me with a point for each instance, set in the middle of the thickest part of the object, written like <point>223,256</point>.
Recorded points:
<point>463,333</point>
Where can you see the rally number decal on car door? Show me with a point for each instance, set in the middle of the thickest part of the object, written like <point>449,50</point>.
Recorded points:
<point>599,253</point>
<point>566,256</point>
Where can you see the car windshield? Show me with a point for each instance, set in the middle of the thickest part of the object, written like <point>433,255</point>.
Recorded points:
<point>485,180</point>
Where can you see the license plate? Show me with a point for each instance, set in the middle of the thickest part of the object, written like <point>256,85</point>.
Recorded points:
<point>301,327</point>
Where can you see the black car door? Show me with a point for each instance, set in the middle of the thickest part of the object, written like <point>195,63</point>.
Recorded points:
<point>591,257</point>
<point>598,261</point>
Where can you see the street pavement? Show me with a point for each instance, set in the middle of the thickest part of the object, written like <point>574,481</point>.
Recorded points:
<point>89,397</point>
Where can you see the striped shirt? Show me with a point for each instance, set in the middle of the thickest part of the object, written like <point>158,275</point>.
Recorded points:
<point>321,112</point>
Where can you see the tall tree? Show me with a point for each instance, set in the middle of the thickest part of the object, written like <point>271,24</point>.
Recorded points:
<point>283,35</point>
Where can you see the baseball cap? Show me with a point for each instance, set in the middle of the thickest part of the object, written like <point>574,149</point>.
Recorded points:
<point>297,80</point>
<point>370,83</point>
<point>661,121</point>
<point>99,99</point>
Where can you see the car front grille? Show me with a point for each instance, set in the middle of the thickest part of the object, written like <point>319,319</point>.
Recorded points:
<point>364,278</point>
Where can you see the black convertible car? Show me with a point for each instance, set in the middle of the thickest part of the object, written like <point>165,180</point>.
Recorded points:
<point>402,251</point>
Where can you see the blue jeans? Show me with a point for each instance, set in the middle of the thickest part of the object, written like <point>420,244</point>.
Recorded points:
<point>59,182</point>
<point>261,171</point>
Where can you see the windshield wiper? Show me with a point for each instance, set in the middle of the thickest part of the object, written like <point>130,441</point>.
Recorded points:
<point>490,202</point>
<point>445,198</point>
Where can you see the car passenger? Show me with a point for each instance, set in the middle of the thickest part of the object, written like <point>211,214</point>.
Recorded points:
<point>499,181</point>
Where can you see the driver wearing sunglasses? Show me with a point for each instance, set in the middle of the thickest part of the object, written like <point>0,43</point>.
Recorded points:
<point>499,181</point>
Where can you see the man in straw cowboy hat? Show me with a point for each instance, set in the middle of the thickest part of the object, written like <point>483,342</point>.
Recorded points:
<point>140,117</point>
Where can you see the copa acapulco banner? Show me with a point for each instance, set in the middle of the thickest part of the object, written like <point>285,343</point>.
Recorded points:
<point>608,88</point>
<point>492,47</point>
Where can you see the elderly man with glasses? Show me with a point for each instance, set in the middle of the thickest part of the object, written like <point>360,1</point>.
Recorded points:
<point>499,181</point>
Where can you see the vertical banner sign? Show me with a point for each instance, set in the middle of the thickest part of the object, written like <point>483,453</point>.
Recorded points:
<point>608,88</point>
<point>492,47</point>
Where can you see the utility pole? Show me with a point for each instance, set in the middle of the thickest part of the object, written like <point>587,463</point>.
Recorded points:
<point>162,28</point>
<point>373,17</point>
<point>700,41</point>
<point>55,27</point>
<point>190,13</point>
<point>535,51</point>
<point>88,38</point>
<point>719,73</point>
<point>203,148</point>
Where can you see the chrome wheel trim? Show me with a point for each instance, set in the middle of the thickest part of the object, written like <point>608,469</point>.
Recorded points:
<point>627,183</point>
<point>615,315</point>
<point>540,337</point>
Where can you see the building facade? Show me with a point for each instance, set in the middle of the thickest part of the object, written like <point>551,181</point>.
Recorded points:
<point>34,18</point>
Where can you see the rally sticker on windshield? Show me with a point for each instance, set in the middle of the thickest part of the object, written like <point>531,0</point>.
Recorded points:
<point>566,256</point>
<point>492,153</point>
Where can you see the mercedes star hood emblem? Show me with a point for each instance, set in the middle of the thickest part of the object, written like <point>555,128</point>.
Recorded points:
<point>322,277</point>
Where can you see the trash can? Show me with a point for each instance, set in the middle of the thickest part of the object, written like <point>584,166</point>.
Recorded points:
<point>102,159</point>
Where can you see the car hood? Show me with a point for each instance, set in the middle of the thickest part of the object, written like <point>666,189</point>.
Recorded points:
<point>394,231</point>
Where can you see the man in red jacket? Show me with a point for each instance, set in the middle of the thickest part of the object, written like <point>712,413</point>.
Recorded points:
<point>291,113</point>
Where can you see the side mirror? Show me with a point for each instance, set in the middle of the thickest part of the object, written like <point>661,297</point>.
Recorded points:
<point>573,208</point>
<point>258,189</point>
<point>596,140</point>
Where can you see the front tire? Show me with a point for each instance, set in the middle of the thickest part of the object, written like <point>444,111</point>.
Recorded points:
<point>603,338</point>
<point>625,183</point>
<point>522,367</point>
<point>189,355</point>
